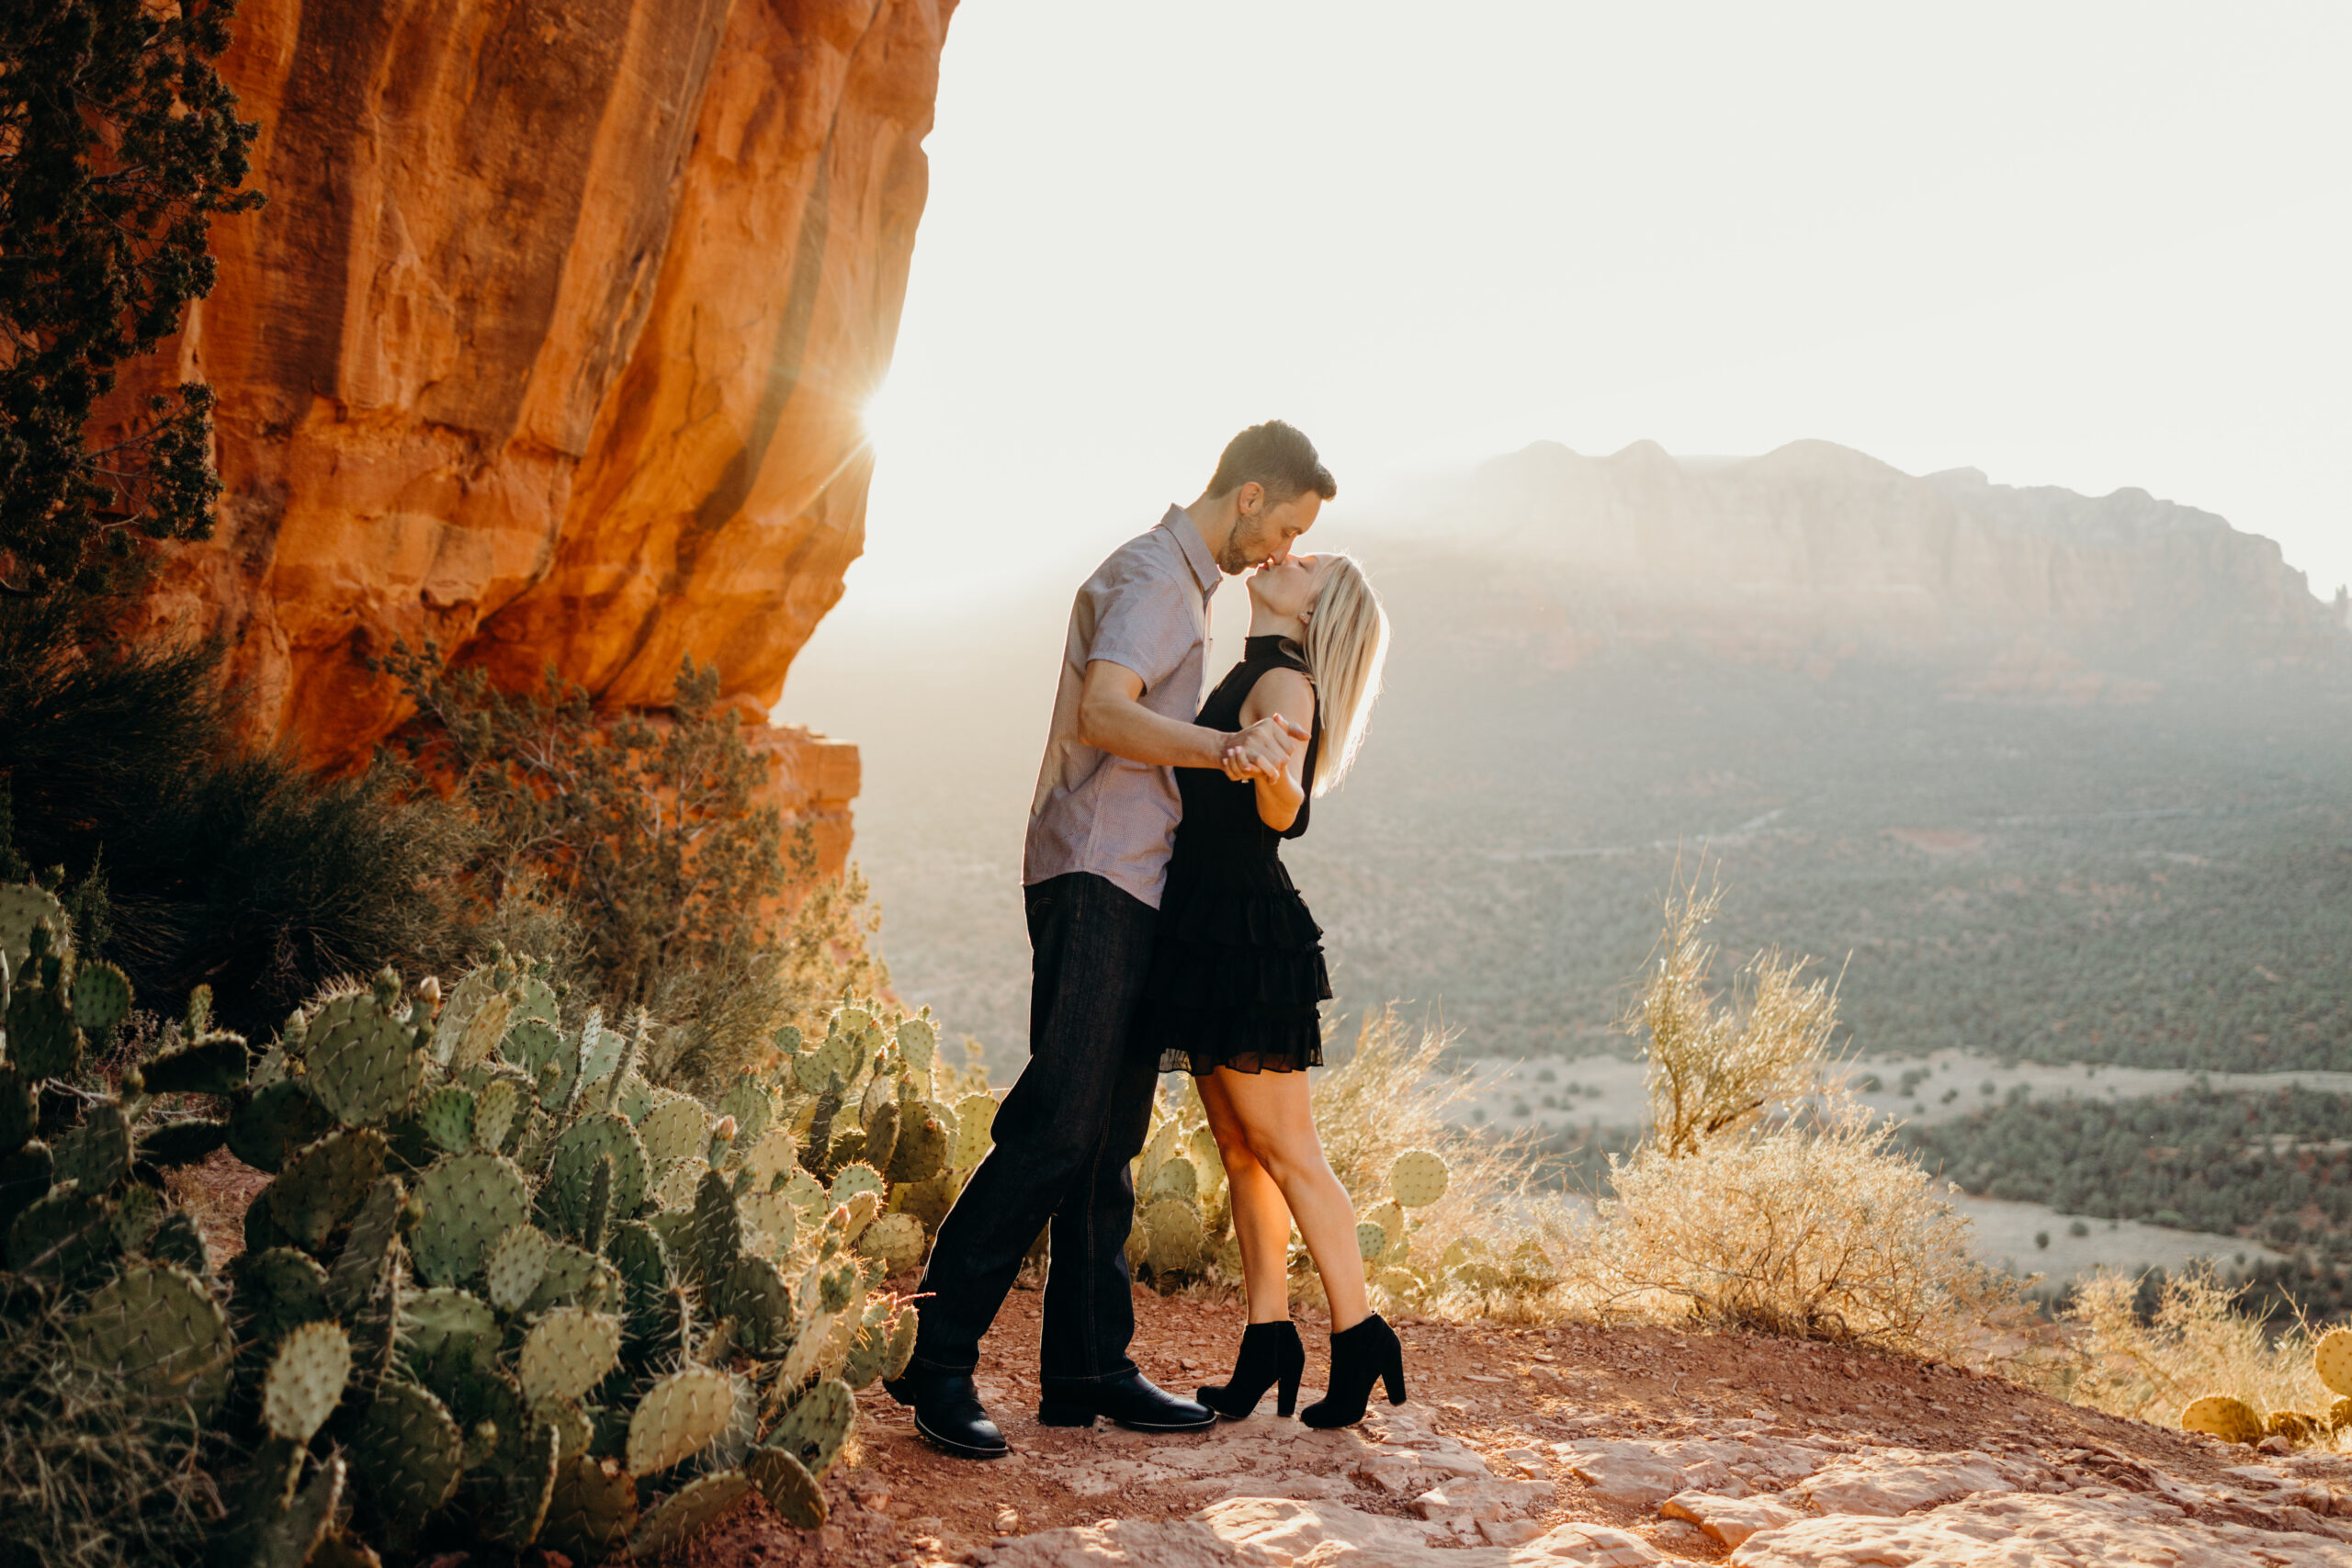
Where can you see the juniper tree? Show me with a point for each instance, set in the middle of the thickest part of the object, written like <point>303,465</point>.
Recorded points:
<point>119,145</point>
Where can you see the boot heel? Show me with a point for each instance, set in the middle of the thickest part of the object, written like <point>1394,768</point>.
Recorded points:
<point>1392,1376</point>
<point>1287,1393</point>
<point>1056,1413</point>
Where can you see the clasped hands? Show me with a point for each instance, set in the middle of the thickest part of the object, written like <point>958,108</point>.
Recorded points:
<point>1264,750</point>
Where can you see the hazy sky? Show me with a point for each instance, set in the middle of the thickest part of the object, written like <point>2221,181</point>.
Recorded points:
<point>2092,245</point>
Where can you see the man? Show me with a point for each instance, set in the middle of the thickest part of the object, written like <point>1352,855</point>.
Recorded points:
<point>1100,829</point>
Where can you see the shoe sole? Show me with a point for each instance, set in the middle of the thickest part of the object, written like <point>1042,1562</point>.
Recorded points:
<point>964,1450</point>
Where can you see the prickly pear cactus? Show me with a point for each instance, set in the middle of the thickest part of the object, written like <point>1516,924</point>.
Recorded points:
<point>2221,1416</point>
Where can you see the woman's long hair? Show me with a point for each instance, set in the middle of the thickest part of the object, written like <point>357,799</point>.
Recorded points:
<point>1346,643</point>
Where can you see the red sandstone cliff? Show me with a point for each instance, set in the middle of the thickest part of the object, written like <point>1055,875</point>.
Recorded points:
<point>550,343</point>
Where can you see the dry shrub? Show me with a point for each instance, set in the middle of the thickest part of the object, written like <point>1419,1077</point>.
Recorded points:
<point>1819,1231</point>
<point>1714,1071</point>
<point>1813,1225</point>
<point>2196,1342</point>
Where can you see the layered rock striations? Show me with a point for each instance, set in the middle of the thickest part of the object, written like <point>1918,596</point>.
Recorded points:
<point>1815,539</point>
<point>551,345</point>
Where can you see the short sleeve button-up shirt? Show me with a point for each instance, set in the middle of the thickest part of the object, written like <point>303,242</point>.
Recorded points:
<point>1146,609</point>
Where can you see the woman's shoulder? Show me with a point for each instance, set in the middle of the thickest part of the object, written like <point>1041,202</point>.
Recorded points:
<point>1279,688</point>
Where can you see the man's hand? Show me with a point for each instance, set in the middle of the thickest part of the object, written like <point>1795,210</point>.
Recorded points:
<point>1264,750</point>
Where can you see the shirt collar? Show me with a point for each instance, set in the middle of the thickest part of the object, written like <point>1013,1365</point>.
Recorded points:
<point>1180,523</point>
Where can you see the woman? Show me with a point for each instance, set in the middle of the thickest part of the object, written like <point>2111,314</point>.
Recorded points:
<point>1238,973</point>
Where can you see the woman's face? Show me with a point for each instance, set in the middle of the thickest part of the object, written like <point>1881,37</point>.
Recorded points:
<point>1287,587</point>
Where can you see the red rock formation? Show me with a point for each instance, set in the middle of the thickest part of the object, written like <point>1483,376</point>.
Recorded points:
<point>550,344</point>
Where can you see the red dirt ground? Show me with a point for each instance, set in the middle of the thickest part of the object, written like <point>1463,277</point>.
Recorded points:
<point>1493,1386</point>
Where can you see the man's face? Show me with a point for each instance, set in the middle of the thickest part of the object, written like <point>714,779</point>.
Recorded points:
<point>1264,533</point>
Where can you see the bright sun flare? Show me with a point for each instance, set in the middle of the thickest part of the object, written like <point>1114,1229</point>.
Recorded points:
<point>880,416</point>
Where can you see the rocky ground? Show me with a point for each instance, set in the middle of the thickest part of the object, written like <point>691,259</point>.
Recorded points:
<point>1547,1447</point>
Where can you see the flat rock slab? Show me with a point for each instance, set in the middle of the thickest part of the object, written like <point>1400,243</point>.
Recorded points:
<point>1730,1520</point>
<point>1281,1532</point>
<point>2030,1531</point>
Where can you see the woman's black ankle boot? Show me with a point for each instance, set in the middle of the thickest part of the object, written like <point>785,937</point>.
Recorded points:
<point>1361,1356</point>
<point>1271,1353</point>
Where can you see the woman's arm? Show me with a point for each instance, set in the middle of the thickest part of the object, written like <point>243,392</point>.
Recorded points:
<point>1281,792</point>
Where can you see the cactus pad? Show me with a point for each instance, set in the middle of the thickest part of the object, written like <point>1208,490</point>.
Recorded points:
<point>919,1042</point>
<point>43,1041</point>
<point>305,1381</point>
<point>495,1109</point>
<point>675,1189</point>
<point>363,1064</point>
<point>829,1067</point>
<point>447,1114</point>
<point>553,1063</point>
<point>853,1180</point>
<point>410,1451</point>
<point>772,1215</point>
<point>517,1263</point>
<point>1371,1240</point>
<point>923,1149</point>
<point>1418,1178</point>
<point>2332,1360</point>
<point>900,1352</point>
<point>790,1490</point>
<point>689,1511</point>
<point>96,1154</point>
<point>2219,1415</point>
<point>772,1154</point>
<point>446,1334</point>
<point>23,907</point>
<point>870,1347</point>
<point>816,1426</point>
<point>676,1128</point>
<point>375,1234</point>
<point>895,1240</point>
<point>323,1182</point>
<point>568,1352</point>
<point>468,1202</point>
<point>757,1298</point>
<point>572,1174</point>
<point>280,1119</point>
<point>975,1124</point>
<point>1180,1241</point>
<point>276,1289</point>
<point>160,1330</point>
<point>1175,1178</point>
<point>1207,1163</point>
<point>61,1235</point>
<point>576,1277</point>
<point>928,1201</point>
<point>680,1414</point>
<point>752,1108</point>
<point>592,1510</point>
<point>101,998</point>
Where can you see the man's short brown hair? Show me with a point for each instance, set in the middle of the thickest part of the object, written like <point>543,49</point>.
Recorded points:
<point>1277,456</point>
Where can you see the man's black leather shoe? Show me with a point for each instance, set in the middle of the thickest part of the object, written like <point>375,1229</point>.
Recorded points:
<point>948,1412</point>
<point>1129,1400</point>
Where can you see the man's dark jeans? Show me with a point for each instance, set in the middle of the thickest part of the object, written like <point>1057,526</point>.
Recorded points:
<point>1064,1137</point>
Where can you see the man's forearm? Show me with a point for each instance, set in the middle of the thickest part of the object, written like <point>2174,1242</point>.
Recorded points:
<point>1131,730</point>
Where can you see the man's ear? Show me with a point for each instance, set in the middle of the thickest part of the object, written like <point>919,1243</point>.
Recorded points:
<point>1249,498</point>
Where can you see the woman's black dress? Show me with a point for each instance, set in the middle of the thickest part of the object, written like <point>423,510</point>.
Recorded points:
<point>1237,970</point>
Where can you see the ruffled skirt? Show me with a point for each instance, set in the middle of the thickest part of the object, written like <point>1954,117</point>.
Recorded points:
<point>1237,973</point>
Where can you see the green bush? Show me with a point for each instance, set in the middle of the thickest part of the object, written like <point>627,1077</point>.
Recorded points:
<point>224,866</point>
<point>636,848</point>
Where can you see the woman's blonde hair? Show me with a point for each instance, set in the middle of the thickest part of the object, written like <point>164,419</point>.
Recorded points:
<point>1346,644</point>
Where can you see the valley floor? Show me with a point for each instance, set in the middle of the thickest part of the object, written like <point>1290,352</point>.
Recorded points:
<point>1529,1446</point>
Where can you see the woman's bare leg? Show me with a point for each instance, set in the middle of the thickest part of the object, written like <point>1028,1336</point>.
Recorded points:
<point>1261,1218</point>
<point>1277,1125</point>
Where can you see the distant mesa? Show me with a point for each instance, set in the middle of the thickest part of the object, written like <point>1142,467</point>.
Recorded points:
<point>2055,593</point>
